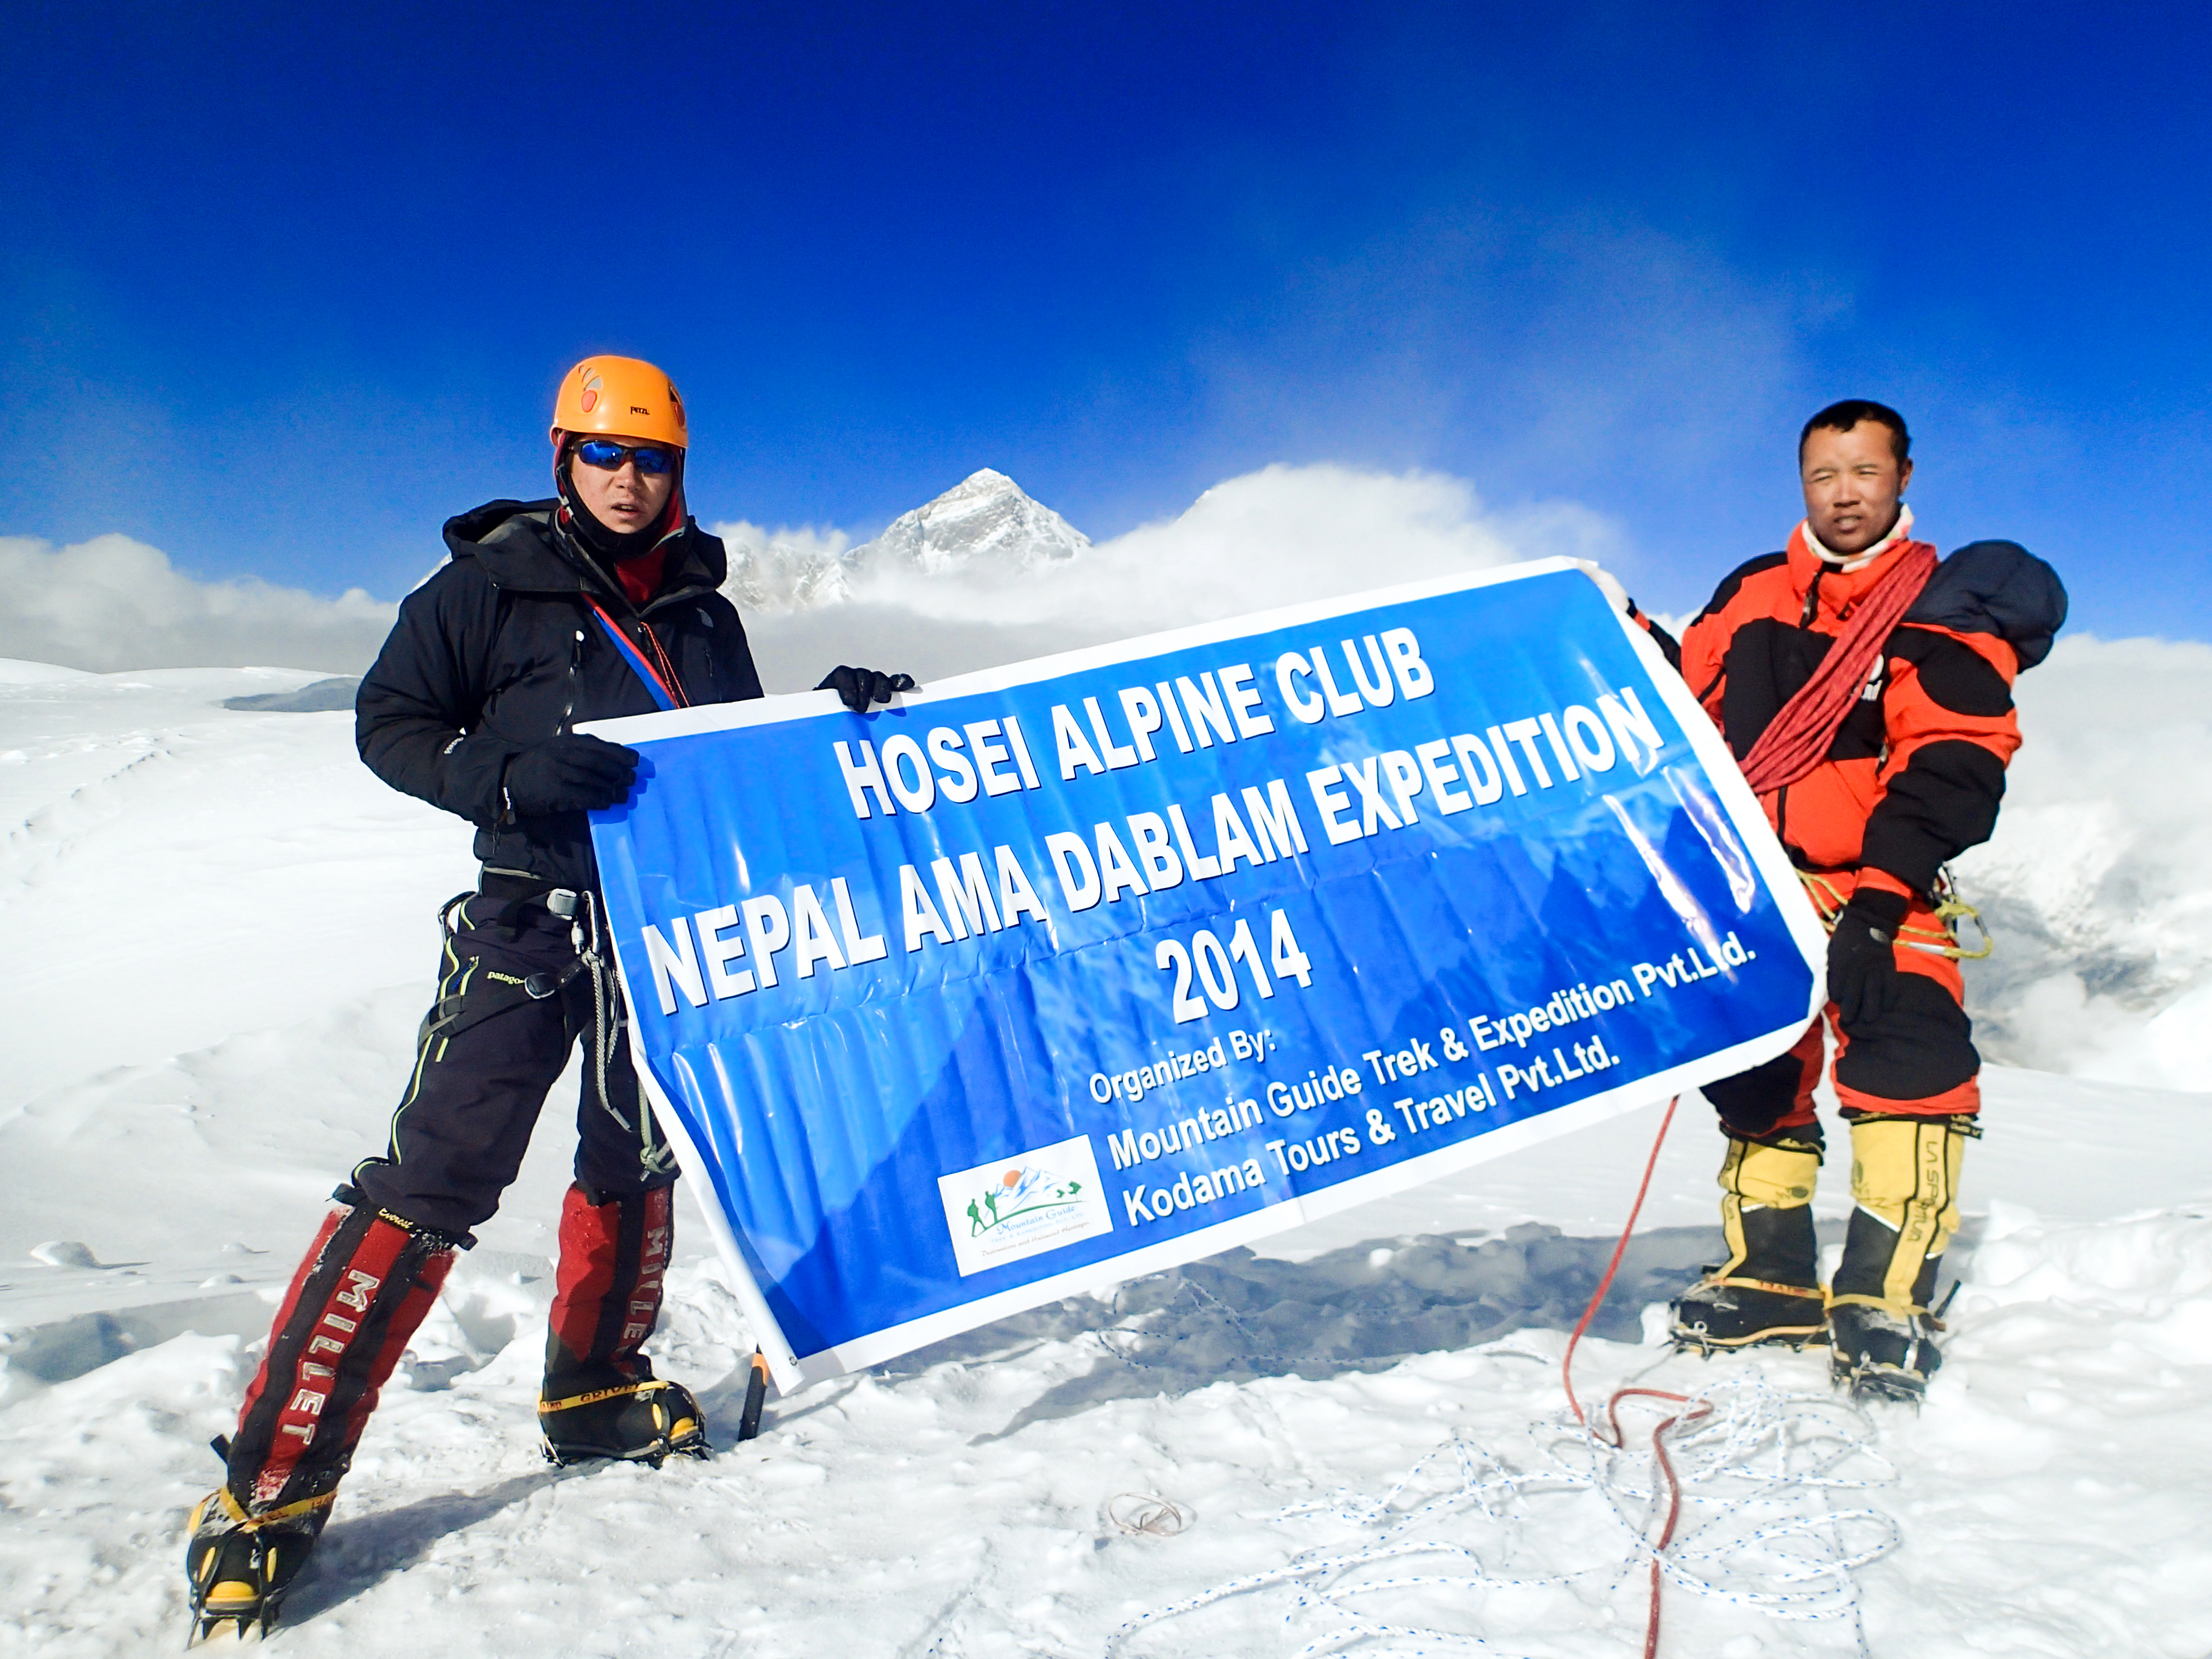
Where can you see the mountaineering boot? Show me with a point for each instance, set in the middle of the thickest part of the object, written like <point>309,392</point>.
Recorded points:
<point>363,1287</point>
<point>1905,1178</point>
<point>238,1566</point>
<point>1768,1288</point>
<point>600,1398</point>
<point>642,1422</point>
<point>1880,1355</point>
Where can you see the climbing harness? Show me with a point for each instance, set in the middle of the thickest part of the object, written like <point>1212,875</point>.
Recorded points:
<point>608,1017</point>
<point>1949,908</point>
<point>456,1013</point>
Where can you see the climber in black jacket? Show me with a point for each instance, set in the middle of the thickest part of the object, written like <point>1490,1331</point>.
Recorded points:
<point>602,601</point>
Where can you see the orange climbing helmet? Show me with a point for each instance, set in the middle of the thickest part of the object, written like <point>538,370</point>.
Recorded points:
<point>621,396</point>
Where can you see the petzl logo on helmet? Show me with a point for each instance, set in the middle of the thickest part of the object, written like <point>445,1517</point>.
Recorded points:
<point>590,400</point>
<point>1023,1206</point>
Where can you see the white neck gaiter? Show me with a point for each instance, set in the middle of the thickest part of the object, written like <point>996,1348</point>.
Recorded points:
<point>1899,531</point>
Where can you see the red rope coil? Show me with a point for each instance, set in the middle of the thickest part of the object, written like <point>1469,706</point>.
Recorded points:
<point>1614,1435</point>
<point>1798,738</point>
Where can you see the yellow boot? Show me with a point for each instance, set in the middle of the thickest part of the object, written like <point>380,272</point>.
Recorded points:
<point>1904,1181</point>
<point>1768,1290</point>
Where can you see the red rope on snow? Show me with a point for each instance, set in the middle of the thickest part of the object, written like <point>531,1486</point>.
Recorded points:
<point>1699,1408</point>
<point>1567,1365</point>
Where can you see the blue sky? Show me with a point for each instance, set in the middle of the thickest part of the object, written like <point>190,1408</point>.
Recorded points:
<point>282,288</point>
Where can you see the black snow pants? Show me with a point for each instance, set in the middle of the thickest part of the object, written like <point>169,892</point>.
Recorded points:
<point>517,991</point>
<point>513,998</point>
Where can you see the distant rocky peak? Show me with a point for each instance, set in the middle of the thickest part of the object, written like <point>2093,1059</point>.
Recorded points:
<point>984,524</point>
<point>985,517</point>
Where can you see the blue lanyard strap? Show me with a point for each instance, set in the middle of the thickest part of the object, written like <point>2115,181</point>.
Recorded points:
<point>662,696</point>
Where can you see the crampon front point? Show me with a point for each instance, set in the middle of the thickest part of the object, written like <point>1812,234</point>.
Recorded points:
<point>238,1565</point>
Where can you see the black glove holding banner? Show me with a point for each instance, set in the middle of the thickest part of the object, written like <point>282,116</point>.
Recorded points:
<point>1861,957</point>
<point>857,688</point>
<point>571,773</point>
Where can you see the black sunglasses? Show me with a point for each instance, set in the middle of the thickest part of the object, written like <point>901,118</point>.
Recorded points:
<point>608,457</point>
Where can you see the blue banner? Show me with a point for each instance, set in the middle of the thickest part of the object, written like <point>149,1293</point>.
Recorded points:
<point>1063,972</point>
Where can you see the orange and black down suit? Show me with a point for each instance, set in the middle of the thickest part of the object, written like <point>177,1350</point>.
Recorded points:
<point>1913,778</point>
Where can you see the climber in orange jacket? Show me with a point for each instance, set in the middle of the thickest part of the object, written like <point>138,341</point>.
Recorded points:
<point>1903,776</point>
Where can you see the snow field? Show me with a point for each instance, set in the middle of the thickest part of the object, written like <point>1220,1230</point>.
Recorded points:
<point>2048,1500</point>
<point>233,945</point>
<point>188,872</point>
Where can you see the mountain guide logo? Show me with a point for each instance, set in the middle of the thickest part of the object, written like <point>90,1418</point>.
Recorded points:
<point>1020,1192</point>
<point>1020,1206</point>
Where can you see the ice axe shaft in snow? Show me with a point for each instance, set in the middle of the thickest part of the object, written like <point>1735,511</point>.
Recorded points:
<point>755,1397</point>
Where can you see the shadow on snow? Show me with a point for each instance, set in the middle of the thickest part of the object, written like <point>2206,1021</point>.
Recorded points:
<point>1236,1317</point>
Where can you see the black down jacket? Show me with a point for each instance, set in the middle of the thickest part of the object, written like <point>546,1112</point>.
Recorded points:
<point>500,650</point>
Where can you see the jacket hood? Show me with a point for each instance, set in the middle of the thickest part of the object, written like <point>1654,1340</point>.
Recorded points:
<point>2000,588</point>
<point>518,547</point>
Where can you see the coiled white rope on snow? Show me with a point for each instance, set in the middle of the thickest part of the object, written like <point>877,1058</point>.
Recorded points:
<point>1760,1528</point>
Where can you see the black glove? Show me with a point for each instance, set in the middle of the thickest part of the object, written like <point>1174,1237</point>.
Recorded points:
<point>859,687</point>
<point>1861,957</point>
<point>571,773</point>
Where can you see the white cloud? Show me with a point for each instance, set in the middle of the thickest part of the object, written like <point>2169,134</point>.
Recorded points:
<point>2094,882</point>
<point>1275,536</point>
<point>803,542</point>
<point>112,602</point>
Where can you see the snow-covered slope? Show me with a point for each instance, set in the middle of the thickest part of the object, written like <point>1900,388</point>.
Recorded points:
<point>2048,1501</point>
<point>156,843</point>
<point>224,939</point>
